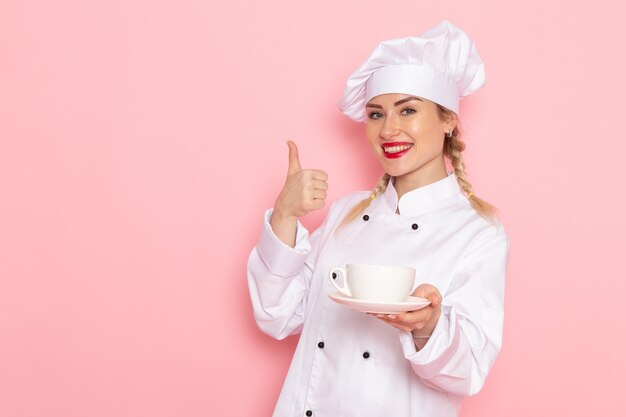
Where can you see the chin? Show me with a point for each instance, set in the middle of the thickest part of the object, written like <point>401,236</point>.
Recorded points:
<point>394,171</point>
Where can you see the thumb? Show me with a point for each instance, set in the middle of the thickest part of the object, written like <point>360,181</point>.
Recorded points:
<point>294,161</point>
<point>430,292</point>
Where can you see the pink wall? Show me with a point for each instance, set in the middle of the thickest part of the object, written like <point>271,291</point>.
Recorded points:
<point>140,142</point>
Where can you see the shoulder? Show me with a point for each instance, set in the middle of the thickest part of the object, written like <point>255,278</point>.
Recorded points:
<point>487,233</point>
<point>458,218</point>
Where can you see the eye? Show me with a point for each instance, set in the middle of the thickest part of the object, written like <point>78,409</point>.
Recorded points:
<point>407,111</point>
<point>375,115</point>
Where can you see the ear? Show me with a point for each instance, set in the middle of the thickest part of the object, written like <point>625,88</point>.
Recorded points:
<point>451,120</point>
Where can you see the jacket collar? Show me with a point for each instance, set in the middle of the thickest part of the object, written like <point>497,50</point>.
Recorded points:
<point>421,199</point>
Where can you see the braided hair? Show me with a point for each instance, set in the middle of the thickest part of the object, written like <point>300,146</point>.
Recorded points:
<point>453,147</point>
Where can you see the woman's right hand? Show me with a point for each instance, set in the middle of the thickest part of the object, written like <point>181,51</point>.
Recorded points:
<point>304,191</point>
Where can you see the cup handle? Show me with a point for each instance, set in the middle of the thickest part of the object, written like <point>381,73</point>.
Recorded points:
<point>332,276</point>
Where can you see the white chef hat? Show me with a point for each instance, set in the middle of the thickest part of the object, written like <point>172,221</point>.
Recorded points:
<point>442,65</point>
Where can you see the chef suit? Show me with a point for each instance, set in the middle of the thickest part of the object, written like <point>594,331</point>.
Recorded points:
<point>348,363</point>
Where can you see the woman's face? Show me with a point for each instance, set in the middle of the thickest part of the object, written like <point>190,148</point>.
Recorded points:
<point>407,135</point>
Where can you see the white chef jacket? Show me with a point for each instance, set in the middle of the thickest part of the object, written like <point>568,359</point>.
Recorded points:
<point>348,363</point>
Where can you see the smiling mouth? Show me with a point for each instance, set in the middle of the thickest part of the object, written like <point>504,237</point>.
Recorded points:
<point>396,148</point>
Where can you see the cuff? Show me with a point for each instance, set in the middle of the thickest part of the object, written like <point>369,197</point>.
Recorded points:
<point>281,259</point>
<point>440,348</point>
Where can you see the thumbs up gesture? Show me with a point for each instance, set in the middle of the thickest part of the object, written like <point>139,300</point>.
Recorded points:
<point>304,189</point>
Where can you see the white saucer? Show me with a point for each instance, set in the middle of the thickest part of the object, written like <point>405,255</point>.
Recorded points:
<point>410,304</point>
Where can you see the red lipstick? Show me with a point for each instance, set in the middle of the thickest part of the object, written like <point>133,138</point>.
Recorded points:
<point>394,150</point>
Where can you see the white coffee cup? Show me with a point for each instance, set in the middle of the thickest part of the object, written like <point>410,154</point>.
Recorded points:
<point>377,283</point>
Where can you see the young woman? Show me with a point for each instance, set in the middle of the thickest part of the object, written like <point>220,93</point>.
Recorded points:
<point>414,363</point>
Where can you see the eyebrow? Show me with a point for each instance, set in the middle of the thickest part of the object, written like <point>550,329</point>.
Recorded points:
<point>397,103</point>
<point>404,100</point>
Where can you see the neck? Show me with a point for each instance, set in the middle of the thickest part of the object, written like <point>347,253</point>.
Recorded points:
<point>414,180</point>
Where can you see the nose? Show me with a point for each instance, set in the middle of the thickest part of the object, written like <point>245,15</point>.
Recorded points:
<point>390,128</point>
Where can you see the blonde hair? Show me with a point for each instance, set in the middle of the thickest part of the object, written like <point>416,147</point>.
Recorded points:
<point>362,205</point>
<point>453,147</point>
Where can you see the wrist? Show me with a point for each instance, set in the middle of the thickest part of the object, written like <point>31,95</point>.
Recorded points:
<point>420,340</point>
<point>280,216</point>
<point>427,330</point>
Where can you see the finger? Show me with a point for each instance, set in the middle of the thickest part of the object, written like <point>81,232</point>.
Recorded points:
<point>319,194</point>
<point>318,174</point>
<point>435,297</point>
<point>398,326</point>
<point>429,292</point>
<point>435,300</point>
<point>294,160</point>
<point>320,185</point>
<point>412,317</point>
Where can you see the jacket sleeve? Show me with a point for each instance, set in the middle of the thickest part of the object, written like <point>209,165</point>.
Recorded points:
<point>279,278</point>
<point>468,335</point>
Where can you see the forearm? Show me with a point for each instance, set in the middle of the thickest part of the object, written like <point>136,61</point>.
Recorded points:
<point>421,334</point>
<point>284,227</point>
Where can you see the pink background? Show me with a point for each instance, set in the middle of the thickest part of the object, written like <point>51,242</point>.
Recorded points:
<point>142,140</point>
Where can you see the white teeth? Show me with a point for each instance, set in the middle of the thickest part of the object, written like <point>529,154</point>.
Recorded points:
<point>396,149</point>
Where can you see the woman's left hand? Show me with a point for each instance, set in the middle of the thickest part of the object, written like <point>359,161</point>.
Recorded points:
<point>421,322</point>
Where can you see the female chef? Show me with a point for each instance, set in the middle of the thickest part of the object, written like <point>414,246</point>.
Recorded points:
<point>348,363</point>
